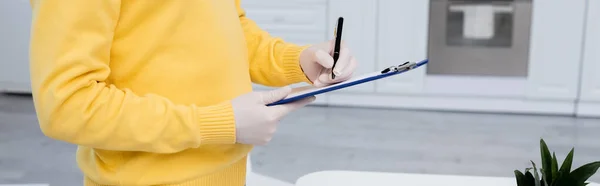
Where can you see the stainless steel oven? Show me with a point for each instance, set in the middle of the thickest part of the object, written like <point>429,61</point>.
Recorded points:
<point>479,37</point>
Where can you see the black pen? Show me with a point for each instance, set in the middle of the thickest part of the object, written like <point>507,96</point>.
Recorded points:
<point>338,42</point>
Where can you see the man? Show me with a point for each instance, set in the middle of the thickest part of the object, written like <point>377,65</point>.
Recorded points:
<point>158,92</point>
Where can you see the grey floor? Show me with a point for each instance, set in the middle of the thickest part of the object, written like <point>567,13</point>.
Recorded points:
<point>321,138</point>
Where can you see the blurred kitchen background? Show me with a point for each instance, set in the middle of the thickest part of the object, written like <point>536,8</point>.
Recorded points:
<point>502,74</point>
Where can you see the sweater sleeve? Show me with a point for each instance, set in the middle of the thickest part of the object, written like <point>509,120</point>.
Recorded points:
<point>69,63</point>
<point>273,62</point>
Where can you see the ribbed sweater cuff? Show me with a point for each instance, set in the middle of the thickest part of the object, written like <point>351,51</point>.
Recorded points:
<point>291,64</point>
<point>217,124</point>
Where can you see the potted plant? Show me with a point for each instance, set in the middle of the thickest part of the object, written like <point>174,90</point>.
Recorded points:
<point>552,174</point>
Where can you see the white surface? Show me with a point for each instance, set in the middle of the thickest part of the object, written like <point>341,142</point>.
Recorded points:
<point>556,45</point>
<point>402,36</point>
<point>453,103</point>
<point>15,18</point>
<point>588,109</point>
<point>589,102</point>
<point>590,79</point>
<point>15,86</point>
<point>24,185</point>
<point>479,22</point>
<point>359,34</point>
<point>351,178</point>
<point>297,21</point>
<point>498,87</point>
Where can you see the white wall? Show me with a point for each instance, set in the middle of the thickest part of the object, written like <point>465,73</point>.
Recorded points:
<point>15,18</point>
<point>589,104</point>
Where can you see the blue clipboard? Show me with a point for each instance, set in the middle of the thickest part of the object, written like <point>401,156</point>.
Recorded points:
<point>391,71</point>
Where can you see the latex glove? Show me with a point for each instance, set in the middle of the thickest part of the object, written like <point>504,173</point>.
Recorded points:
<point>316,62</point>
<point>255,122</point>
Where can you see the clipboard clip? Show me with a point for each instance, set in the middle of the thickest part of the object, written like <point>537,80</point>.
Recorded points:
<point>403,67</point>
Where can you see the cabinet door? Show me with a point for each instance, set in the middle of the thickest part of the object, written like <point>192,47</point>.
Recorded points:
<point>402,36</point>
<point>301,22</point>
<point>297,21</point>
<point>15,17</point>
<point>358,34</point>
<point>556,46</point>
<point>590,81</point>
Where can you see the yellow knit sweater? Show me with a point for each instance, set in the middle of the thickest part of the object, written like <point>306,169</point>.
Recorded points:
<point>143,86</point>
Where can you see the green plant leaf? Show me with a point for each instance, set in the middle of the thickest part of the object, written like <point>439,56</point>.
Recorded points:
<point>529,179</point>
<point>544,178</point>
<point>554,169</point>
<point>543,183</point>
<point>535,175</point>
<point>557,178</point>
<point>564,180</point>
<point>528,169</point>
<point>566,165</point>
<point>520,178</point>
<point>546,160</point>
<point>583,173</point>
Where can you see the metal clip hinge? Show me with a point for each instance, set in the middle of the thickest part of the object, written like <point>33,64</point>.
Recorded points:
<point>403,67</point>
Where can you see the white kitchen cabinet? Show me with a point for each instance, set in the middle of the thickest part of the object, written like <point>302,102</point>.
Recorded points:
<point>15,16</point>
<point>359,34</point>
<point>402,36</point>
<point>298,21</point>
<point>556,45</point>
<point>549,86</point>
<point>589,101</point>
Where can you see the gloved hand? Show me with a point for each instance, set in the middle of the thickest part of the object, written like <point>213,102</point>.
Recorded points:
<point>316,62</point>
<point>255,122</point>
